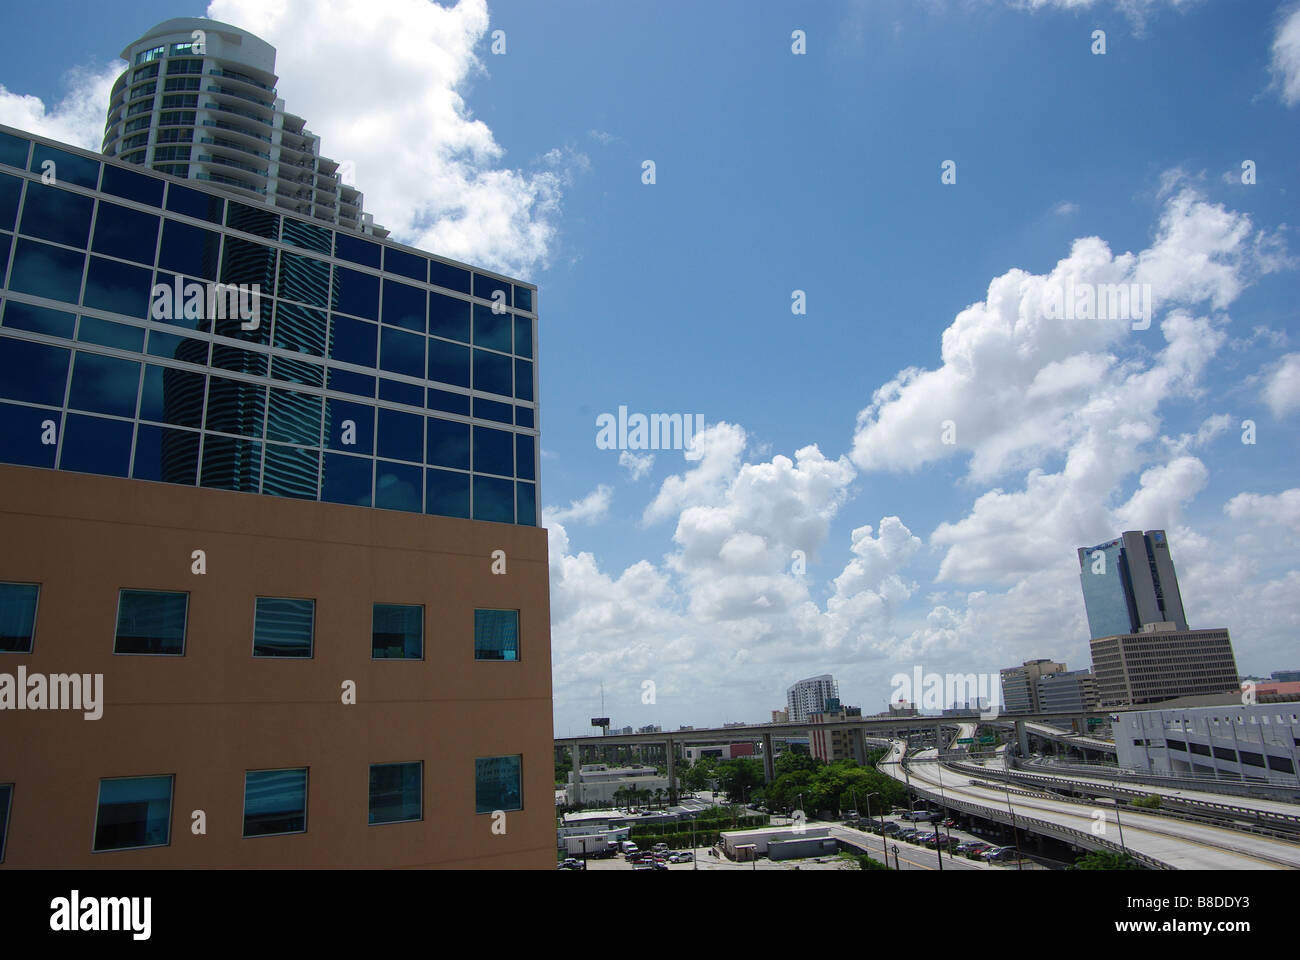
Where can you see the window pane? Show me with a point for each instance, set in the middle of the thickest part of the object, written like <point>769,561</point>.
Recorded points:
<point>253,220</point>
<point>496,634</point>
<point>525,464</point>
<point>526,504</point>
<point>230,464</point>
<point>347,480</point>
<point>13,150</point>
<point>486,288</point>
<point>132,186</point>
<point>106,333</point>
<point>404,306</point>
<point>523,380</point>
<point>449,277</point>
<point>172,396</point>
<point>400,436</point>
<point>301,329</point>
<point>104,384</point>
<point>190,250</point>
<point>294,417</point>
<point>447,401</point>
<point>524,298</point>
<point>345,381</point>
<point>150,621</point>
<point>395,792</point>
<point>11,189</point>
<point>497,784</point>
<point>194,203</point>
<point>350,427</point>
<point>6,796</point>
<point>494,500</point>
<point>58,215</point>
<point>298,371</point>
<point>291,472</point>
<point>235,406</point>
<point>305,279</point>
<point>166,456</point>
<point>118,288</point>
<point>398,632</point>
<point>17,616</point>
<point>524,337</point>
<point>68,167</point>
<point>353,341</point>
<point>492,372</point>
<point>32,372</point>
<point>46,271</point>
<point>355,249</point>
<point>524,417</point>
<point>492,329</point>
<point>398,486</point>
<point>395,391</point>
<point>306,235</point>
<point>22,316</point>
<point>133,812</point>
<point>275,801</point>
<point>494,451</point>
<point>125,233</point>
<point>449,317</point>
<point>401,352</point>
<point>22,432</point>
<point>283,627</point>
<point>446,493</point>
<point>96,445</point>
<point>405,264</point>
<point>494,410</point>
<point>244,261</point>
<point>448,363</point>
<point>356,293</point>
<point>448,443</point>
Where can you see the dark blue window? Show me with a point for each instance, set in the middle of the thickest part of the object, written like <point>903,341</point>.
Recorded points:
<point>492,329</point>
<point>350,427</point>
<point>23,435</point>
<point>298,371</point>
<point>246,262</point>
<point>18,617</point>
<point>125,233</point>
<point>485,288</point>
<point>294,417</point>
<point>400,436</point>
<point>22,316</point>
<point>96,445</point>
<point>401,352</point>
<point>104,384</point>
<point>118,288</point>
<point>405,264</point>
<point>172,396</point>
<point>524,298</point>
<point>254,220</point>
<point>356,293</point>
<point>132,186</point>
<point>291,472</point>
<point>306,235</point>
<point>497,785</point>
<point>526,504</point>
<point>175,347</point>
<point>58,215</point>
<point>525,467</point>
<point>230,464</point>
<point>494,500</point>
<point>194,203</point>
<point>448,363</point>
<point>496,634</point>
<point>133,812</point>
<point>345,381</point>
<point>106,333</point>
<point>448,444</point>
<point>398,486</point>
<point>447,401</point>
<point>235,304</point>
<point>13,150</point>
<point>524,417</point>
<point>32,372</point>
<point>493,410</point>
<point>356,250</point>
<point>353,341</point>
<point>190,250</point>
<point>347,480</point>
<point>523,379</point>
<point>6,244</point>
<point>11,189</point>
<point>46,271</point>
<point>397,632</point>
<point>68,167</point>
<point>446,493</point>
<point>235,407</point>
<point>449,317</point>
<point>151,622</point>
<point>305,279</point>
<point>395,792</point>
<point>494,451</point>
<point>239,360</point>
<point>165,455</point>
<point>404,306</point>
<point>492,373</point>
<point>395,391</point>
<point>282,627</point>
<point>524,337</point>
<point>449,277</point>
<point>275,801</point>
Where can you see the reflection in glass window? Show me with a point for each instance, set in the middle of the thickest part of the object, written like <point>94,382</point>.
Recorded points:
<point>133,812</point>
<point>195,203</point>
<point>151,622</point>
<point>496,634</point>
<point>23,316</point>
<point>488,288</point>
<point>291,472</point>
<point>492,329</point>
<point>492,373</point>
<point>350,427</point>
<point>309,236</point>
<point>524,337</point>
<point>46,271</point>
<point>525,465</point>
<point>21,432</point>
<point>494,500</point>
<point>301,329</point>
<point>494,451</point>
<point>397,632</point>
<point>449,277</point>
<point>132,186</point>
<point>446,494</point>
<point>395,794</point>
<point>118,288</point>
<point>246,262</point>
<point>447,401</point>
<point>347,247</point>
<point>448,363</point>
<point>524,298</point>
<point>275,801</point>
<point>125,233</point>
<point>448,443</point>
<point>17,616</point>
<point>523,379</point>
<point>104,384</point>
<point>400,436</point>
<point>230,464</point>
<point>355,293</point>
<point>493,410</point>
<point>405,264</point>
<point>347,480</point>
<point>526,504</point>
<point>304,279</point>
<point>190,250</point>
<point>395,391</point>
<point>497,784</point>
<point>294,417</point>
<point>297,371</point>
<point>353,341</point>
<point>172,396</point>
<point>254,220</point>
<point>401,352</point>
<point>449,317</point>
<point>106,333</point>
<point>398,486</point>
<point>236,406</point>
<point>57,215</point>
<point>165,455</point>
<point>32,372</point>
<point>96,445</point>
<point>345,381</point>
<point>282,627</point>
<point>13,150</point>
<point>404,306</point>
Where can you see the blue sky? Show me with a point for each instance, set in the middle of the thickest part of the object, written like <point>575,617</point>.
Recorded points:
<point>820,172</point>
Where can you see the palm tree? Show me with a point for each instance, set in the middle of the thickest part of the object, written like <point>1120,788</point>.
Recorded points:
<point>659,795</point>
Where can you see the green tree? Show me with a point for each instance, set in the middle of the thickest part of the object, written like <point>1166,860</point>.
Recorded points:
<point>1104,860</point>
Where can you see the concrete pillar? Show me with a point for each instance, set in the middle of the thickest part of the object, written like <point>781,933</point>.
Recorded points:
<point>769,762</point>
<point>576,796</point>
<point>938,740</point>
<point>1022,736</point>
<point>672,770</point>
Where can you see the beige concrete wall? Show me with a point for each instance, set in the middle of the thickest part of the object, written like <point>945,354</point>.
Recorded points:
<point>214,713</point>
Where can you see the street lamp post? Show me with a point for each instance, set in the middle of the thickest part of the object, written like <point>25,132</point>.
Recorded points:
<point>1118,823</point>
<point>1014,832</point>
<point>896,866</point>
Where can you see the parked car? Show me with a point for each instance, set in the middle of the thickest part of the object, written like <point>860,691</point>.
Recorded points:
<point>1000,854</point>
<point>890,828</point>
<point>683,857</point>
<point>973,846</point>
<point>660,847</point>
<point>908,834</point>
<point>571,863</point>
<point>950,822</point>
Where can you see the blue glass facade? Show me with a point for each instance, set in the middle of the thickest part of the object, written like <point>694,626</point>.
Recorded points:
<point>1107,592</point>
<point>368,374</point>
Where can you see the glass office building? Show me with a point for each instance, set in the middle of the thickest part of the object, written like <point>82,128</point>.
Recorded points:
<point>362,372</point>
<point>1129,582</point>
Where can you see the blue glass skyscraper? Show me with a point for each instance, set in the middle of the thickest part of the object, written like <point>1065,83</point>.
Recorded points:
<point>1128,582</point>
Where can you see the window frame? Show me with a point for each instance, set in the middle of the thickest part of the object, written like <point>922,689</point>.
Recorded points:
<point>185,628</point>
<point>518,635</point>
<point>311,638</point>
<point>31,641</point>
<point>370,795</point>
<point>171,811</point>
<point>423,617</point>
<point>306,796</point>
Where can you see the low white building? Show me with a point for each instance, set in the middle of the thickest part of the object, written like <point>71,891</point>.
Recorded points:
<point>598,782</point>
<point>1229,742</point>
<point>778,843</point>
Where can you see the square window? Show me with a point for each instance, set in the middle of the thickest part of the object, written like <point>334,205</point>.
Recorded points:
<point>493,452</point>
<point>166,456</point>
<point>349,427</point>
<point>21,431</point>
<point>448,277</point>
<point>104,384</point>
<point>405,264</point>
<point>397,632</point>
<point>356,250</point>
<point>404,306</point>
<point>194,203</point>
<point>494,500</point>
<point>133,812</point>
<point>96,445</point>
<point>398,486</point>
<point>275,802</point>
<point>230,464</point>
<point>304,279</point>
<point>13,150</point>
<point>449,317</point>
<point>151,622</point>
<point>190,250</point>
<point>253,220</point>
<point>401,352</point>
<point>32,372</point>
<point>353,341</point>
<point>446,493</point>
<point>291,472</point>
<point>306,235</point>
<point>448,443</point>
<point>46,271</point>
<point>18,616</point>
<point>125,233</point>
<point>119,288</point>
<point>355,293</point>
<point>448,363</point>
<point>396,792</point>
<point>492,329</point>
<point>282,627</point>
<point>347,480</point>
<point>496,634</point>
<point>492,373</point>
<point>497,784</point>
<point>58,215</point>
<point>300,329</point>
<point>400,436</point>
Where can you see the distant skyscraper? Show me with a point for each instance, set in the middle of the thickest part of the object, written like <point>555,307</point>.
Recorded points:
<point>1129,582</point>
<point>809,696</point>
<point>1020,692</point>
<point>198,100</point>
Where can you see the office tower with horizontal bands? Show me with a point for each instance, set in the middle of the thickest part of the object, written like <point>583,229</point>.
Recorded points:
<point>1135,669</point>
<point>809,696</point>
<point>297,541</point>
<point>198,100</point>
<point>1129,582</point>
<point>1020,685</point>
